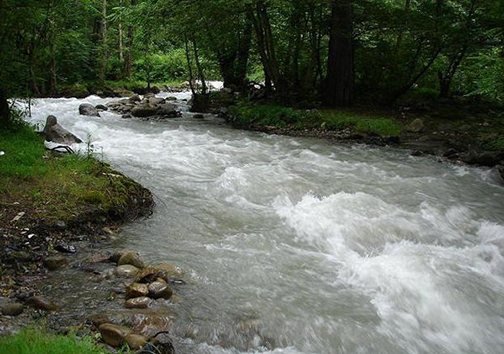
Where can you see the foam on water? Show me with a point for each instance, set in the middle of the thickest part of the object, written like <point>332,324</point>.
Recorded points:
<point>327,248</point>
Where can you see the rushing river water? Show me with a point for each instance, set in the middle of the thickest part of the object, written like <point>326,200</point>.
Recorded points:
<point>310,246</point>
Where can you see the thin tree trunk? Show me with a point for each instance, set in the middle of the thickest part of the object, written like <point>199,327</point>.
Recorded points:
<point>339,86</point>
<point>4,110</point>
<point>189,66</point>
<point>104,37</point>
<point>200,68</point>
<point>120,35</point>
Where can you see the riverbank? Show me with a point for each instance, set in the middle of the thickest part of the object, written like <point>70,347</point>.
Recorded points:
<point>48,202</point>
<point>466,134</point>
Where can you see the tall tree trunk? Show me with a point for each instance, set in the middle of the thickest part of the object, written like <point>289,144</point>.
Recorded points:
<point>189,65</point>
<point>201,73</point>
<point>120,35</point>
<point>339,85</point>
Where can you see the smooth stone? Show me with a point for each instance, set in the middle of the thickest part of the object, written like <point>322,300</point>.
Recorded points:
<point>138,303</point>
<point>126,271</point>
<point>169,270</point>
<point>131,258</point>
<point>137,290</point>
<point>135,341</point>
<point>10,308</point>
<point>113,334</point>
<point>55,262</point>
<point>159,290</point>
<point>99,257</point>
<point>41,303</point>
<point>56,133</point>
<point>135,98</point>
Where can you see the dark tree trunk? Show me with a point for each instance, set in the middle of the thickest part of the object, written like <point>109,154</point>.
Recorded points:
<point>339,83</point>
<point>128,60</point>
<point>4,110</point>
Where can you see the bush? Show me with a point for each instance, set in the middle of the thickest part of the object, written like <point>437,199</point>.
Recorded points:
<point>248,115</point>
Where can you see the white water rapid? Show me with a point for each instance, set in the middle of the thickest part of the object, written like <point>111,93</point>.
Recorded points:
<point>302,246</point>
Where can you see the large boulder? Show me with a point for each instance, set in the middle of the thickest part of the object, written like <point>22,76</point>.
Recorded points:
<point>56,133</point>
<point>167,110</point>
<point>144,111</point>
<point>87,109</point>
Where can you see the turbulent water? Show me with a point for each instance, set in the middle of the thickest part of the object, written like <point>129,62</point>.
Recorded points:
<point>302,246</point>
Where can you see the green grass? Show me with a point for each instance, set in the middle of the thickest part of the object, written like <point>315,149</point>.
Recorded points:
<point>369,125</point>
<point>248,115</point>
<point>32,341</point>
<point>59,188</point>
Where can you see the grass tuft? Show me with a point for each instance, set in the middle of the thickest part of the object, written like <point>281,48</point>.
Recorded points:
<point>33,341</point>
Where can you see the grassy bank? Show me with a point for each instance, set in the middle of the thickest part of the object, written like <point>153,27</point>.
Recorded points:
<point>35,341</point>
<point>248,115</point>
<point>71,189</point>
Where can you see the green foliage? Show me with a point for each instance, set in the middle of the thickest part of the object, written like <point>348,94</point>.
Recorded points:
<point>35,341</point>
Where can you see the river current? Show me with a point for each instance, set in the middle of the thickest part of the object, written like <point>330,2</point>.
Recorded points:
<point>310,246</point>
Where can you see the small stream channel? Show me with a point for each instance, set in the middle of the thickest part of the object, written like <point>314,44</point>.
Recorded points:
<point>310,246</point>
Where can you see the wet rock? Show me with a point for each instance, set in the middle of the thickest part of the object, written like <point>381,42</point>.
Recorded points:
<point>135,341</point>
<point>155,101</point>
<point>64,248</point>
<point>135,98</point>
<point>101,107</point>
<point>171,98</point>
<point>87,109</point>
<point>169,270</point>
<point>416,126</point>
<point>138,303</point>
<point>127,116</point>
<point>55,262</point>
<point>113,334</point>
<point>145,322</point>
<point>486,158</point>
<point>165,271</point>
<point>131,258</point>
<point>137,290</point>
<point>417,153</point>
<point>99,257</point>
<point>10,308</point>
<point>56,133</point>
<point>198,116</point>
<point>144,111</point>
<point>158,290</point>
<point>126,271</point>
<point>41,303</point>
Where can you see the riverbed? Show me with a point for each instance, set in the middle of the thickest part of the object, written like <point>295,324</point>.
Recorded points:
<point>297,245</point>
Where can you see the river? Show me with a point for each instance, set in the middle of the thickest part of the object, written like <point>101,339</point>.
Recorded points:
<point>315,247</point>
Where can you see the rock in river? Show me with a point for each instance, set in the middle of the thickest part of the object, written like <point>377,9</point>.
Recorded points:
<point>138,303</point>
<point>41,303</point>
<point>131,258</point>
<point>135,341</point>
<point>145,322</point>
<point>55,262</point>
<point>113,334</point>
<point>159,290</point>
<point>87,109</point>
<point>126,271</point>
<point>137,290</point>
<point>56,133</point>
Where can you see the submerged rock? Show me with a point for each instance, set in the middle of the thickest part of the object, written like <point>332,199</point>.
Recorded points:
<point>87,109</point>
<point>56,133</point>
<point>55,262</point>
<point>113,334</point>
<point>138,303</point>
<point>41,303</point>
<point>101,107</point>
<point>126,271</point>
